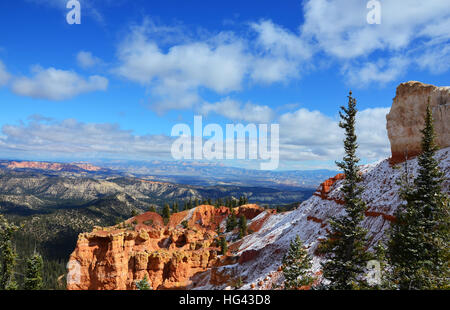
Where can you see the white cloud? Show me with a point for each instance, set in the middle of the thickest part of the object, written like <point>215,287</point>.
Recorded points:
<point>4,75</point>
<point>234,110</point>
<point>50,138</point>
<point>282,53</point>
<point>221,62</point>
<point>311,135</point>
<point>55,84</point>
<point>372,133</point>
<point>87,60</point>
<point>436,59</point>
<point>340,28</point>
<point>412,32</point>
<point>381,71</point>
<point>174,76</point>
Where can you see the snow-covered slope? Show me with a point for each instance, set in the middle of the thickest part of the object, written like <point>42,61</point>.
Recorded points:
<point>262,251</point>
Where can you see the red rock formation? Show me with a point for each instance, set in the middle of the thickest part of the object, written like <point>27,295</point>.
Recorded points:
<point>169,255</point>
<point>406,118</point>
<point>325,187</point>
<point>248,256</point>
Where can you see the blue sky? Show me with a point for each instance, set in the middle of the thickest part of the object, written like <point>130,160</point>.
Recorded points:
<point>113,86</point>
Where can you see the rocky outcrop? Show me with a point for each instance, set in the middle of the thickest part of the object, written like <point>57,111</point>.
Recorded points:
<point>169,255</point>
<point>406,118</point>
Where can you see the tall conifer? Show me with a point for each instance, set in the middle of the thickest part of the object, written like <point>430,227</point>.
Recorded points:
<point>345,252</point>
<point>418,250</point>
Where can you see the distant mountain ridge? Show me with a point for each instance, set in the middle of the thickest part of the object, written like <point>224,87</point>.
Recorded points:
<point>52,166</point>
<point>190,173</point>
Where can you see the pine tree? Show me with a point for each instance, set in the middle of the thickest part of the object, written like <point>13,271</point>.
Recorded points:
<point>33,273</point>
<point>231,221</point>
<point>418,250</point>
<point>175,207</point>
<point>242,227</point>
<point>143,285</point>
<point>166,212</point>
<point>223,245</point>
<point>7,255</point>
<point>297,265</point>
<point>345,253</point>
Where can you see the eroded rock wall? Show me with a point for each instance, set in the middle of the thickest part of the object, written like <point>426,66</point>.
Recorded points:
<point>114,258</point>
<point>406,118</point>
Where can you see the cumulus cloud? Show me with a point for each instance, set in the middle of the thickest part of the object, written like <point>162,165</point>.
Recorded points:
<point>304,136</point>
<point>4,75</point>
<point>381,71</point>
<point>281,55</point>
<point>56,84</point>
<point>51,138</point>
<point>417,30</point>
<point>220,62</point>
<point>87,60</point>
<point>340,27</point>
<point>175,75</point>
<point>311,135</point>
<point>436,59</point>
<point>234,110</point>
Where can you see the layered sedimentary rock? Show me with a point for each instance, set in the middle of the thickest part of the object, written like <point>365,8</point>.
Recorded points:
<point>406,118</point>
<point>169,255</point>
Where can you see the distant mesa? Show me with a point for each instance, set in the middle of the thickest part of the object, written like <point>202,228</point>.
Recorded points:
<point>406,118</point>
<point>53,166</point>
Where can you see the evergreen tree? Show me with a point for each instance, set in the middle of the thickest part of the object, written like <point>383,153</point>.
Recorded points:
<point>345,253</point>
<point>418,250</point>
<point>241,201</point>
<point>143,285</point>
<point>7,255</point>
<point>242,227</point>
<point>175,207</point>
<point>166,213</point>
<point>223,245</point>
<point>231,221</point>
<point>152,209</point>
<point>33,273</point>
<point>297,265</point>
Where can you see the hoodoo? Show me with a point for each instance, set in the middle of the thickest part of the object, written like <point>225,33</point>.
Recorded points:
<point>406,118</point>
